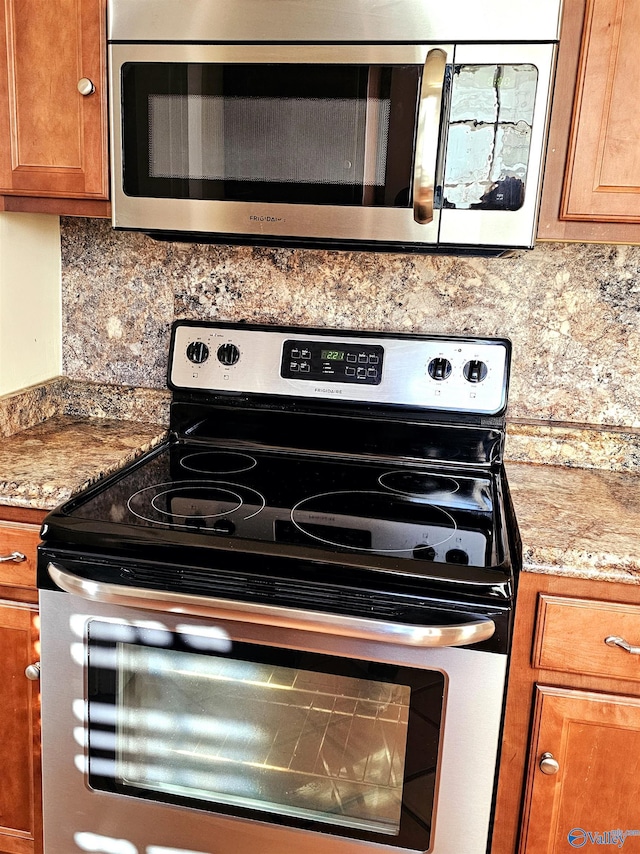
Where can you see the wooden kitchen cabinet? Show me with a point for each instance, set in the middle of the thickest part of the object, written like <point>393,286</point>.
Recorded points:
<point>591,182</point>
<point>571,745</point>
<point>595,741</point>
<point>20,774</point>
<point>53,139</point>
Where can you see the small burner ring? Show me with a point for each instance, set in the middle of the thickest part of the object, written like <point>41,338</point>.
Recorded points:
<point>175,489</point>
<point>437,483</point>
<point>241,462</point>
<point>157,491</point>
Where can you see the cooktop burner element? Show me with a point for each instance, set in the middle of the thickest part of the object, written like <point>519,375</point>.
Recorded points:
<point>272,470</point>
<point>418,483</point>
<point>194,504</point>
<point>218,462</point>
<point>342,519</point>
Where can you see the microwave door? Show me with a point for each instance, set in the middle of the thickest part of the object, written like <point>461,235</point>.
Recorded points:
<point>252,143</point>
<point>496,130</point>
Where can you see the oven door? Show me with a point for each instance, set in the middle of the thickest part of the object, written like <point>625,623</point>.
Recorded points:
<point>164,733</point>
<point>420,144</point>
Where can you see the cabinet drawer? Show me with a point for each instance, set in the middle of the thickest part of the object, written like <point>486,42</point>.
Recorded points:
<point>570,637</point>
<point>23,539</point>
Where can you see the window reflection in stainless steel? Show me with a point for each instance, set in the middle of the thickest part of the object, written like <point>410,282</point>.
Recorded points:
<point>489,136</point>
<point>277,739</point>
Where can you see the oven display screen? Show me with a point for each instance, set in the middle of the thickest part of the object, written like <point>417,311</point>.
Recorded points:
<point>332,355</point>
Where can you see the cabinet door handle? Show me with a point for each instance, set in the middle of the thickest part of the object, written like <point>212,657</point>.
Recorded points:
<point>621,642</point>
<point>32,671</point>
<point>86,86</point>
<point>15,557</point>
<point>549,764</point>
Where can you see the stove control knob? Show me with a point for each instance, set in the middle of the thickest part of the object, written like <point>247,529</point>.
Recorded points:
<point>475,371</point>
<point>228,354</point>
<point>197,352</point>
<point>439,368</point>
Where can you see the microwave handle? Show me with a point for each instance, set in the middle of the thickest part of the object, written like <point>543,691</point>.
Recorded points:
<point>459,634</point>
<point>429,108</point>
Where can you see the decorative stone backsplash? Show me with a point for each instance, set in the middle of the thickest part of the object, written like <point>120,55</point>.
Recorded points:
<point>571,311</point>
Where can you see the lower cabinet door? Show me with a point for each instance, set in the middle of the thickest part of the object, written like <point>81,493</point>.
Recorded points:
<point>20,803</point>
<point>584,767</point>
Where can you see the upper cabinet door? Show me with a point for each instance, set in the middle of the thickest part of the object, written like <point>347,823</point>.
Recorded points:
<point>603,174</point>
<point>53,138</point>
<point>591,185</point>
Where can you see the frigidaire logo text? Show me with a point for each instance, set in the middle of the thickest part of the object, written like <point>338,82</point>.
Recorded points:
<point>578,837</point>
<point>266,218</point>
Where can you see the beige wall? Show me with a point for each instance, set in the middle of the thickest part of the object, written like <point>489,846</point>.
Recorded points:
<point>30,302</point>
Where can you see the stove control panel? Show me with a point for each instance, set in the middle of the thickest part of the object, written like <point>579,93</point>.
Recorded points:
<point>456,374</point>
<point>332,361</point>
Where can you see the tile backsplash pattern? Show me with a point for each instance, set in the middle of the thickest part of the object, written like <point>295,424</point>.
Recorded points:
<point>571,310</point>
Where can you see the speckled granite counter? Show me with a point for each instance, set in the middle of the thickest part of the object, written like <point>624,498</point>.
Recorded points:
<point>61,436</point>
<point>576,522</point>
<point>45,464</point>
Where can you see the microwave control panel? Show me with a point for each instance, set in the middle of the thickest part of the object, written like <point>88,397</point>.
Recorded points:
<point>468,375</point>
<point>332,361</point>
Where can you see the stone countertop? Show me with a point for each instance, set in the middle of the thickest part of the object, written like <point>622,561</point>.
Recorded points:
<point>46,464</point>
<point>580,523</point>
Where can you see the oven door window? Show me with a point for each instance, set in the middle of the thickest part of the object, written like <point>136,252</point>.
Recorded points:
<point>308,134</point>
<point>330,744</point>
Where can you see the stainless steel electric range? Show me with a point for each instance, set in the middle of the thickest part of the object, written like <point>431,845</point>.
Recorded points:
<point>290,623</point>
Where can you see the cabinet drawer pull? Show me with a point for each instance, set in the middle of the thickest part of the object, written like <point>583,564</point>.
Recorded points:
<point>549,764</point>
<point>16,557</point>
<point>621,642</point>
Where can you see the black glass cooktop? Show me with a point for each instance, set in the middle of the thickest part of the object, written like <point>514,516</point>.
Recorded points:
<point>204,495</point>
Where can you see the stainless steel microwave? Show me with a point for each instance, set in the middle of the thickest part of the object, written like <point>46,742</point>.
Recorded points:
<point>402,125</point>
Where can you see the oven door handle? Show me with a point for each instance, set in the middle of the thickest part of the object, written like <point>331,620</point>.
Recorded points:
<point>429,109</point>
<point>364,628</point>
